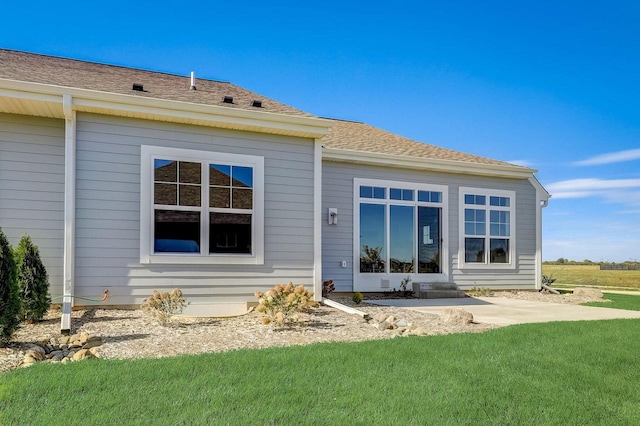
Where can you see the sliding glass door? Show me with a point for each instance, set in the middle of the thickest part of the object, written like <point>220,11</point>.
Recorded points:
<point>399,235</point>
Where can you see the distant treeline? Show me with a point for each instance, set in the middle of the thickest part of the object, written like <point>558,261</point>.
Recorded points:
<point>624,266</point>
<point>619,267</point>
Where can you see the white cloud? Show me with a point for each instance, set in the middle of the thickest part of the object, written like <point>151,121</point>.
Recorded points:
<point>583,188</point>
<point>613,157</point>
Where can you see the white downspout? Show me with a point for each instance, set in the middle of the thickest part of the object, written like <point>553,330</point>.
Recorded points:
<point>69,211</point>
<point>317,220</point>
<point>542,201</point>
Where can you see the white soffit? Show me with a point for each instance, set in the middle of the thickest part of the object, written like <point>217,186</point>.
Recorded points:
<point>418,163</point>
<point>17,97</point>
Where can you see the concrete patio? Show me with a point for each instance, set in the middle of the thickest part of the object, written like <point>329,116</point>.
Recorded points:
<point>507,311</point>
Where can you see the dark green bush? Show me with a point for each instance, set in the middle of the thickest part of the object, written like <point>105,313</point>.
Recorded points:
<point>9,298</point>
<point>33,281</point>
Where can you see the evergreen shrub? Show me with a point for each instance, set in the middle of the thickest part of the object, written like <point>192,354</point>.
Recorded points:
<point>33,281</point>
<point>9,298</point>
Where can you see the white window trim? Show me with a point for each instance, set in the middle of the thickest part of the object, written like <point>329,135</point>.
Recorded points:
<point>512,226</point>
<point>147,256</point>
<point>444,205</point>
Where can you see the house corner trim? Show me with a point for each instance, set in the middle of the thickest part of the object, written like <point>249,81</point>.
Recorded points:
<point>69,210</point>
<point>317,220</point>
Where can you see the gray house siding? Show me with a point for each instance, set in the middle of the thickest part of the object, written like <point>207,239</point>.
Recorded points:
<point>32,187</point>
<point>337,240</point>
<point>108,212</point>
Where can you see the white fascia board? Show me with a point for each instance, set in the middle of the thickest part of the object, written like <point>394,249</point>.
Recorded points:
<point>446,166</point>
<point>543,194</point>
<point>85,100</point>
<point>9,92</point>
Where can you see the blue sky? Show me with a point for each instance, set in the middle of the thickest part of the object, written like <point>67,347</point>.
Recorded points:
<point>548,84</point>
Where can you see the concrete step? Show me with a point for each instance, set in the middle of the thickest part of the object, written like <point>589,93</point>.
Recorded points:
<point>437,290</point>
<point>442,294</point>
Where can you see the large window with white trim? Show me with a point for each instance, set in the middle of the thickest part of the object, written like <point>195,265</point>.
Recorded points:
<point>487,227</point>
<point>399,227</point>
<point>201,207</point>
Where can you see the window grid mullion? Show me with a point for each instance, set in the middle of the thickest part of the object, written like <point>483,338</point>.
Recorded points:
<point>204,194</point>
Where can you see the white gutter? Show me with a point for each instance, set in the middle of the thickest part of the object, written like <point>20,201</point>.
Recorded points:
<point>94,101</point>
<point>69,210</point>
<point>542,201</point>
<point>317,220</point>
<point>438,165</point>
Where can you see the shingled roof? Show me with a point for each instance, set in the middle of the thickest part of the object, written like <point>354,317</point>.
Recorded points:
<point>57,71</point>
<point>342,135</point>
<point>356,136</point>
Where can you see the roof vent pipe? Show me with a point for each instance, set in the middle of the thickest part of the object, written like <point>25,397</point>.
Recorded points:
<point>193,80</point>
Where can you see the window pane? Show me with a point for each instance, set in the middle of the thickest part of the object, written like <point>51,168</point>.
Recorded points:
<point>190,195</point>
<point>499,250</point>
<point>436,197</point>
<point>428,240</point>
<point>379,193</point>
<point>500,201</point>
<point>176,231</point>
<point>499,223</point>
<point>401,239</point>
<point>165,193</point>
<point>479,200</point>
<point>219,175</point>
<point>395,193</point>
<point>189,172</point>
<point>230,233</point>
<point>372,238</point>
<point>366,192</point>
<point>474,250</point>
<point>474,222</point>
<point>220,197</point>
<point>407,194</point>
<point>242,177</point>
<point>469,215</point>
<point>470,228</point>
<point>165,171</point>
<point>242,198</point>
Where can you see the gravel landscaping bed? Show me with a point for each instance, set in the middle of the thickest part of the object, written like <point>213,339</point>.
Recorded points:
<point>130,334</point>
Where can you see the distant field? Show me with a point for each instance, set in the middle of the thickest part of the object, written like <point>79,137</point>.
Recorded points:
<point>591,275</point>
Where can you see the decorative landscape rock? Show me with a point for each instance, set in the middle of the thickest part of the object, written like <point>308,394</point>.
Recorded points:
<point>396,327</point>
<point>456,316</point>
<point>65,349</point>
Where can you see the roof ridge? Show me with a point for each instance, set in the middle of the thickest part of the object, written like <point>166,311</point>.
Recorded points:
<point>104,64</point>
<point>342,119</point>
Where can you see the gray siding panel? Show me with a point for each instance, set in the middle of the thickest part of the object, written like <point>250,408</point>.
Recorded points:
<point>337,241</point>
<point>32,187</point>
<point>108,212</point>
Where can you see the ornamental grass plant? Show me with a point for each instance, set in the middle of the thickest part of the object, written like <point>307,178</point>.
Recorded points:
<point>163,305</point>
<point>282,304</point>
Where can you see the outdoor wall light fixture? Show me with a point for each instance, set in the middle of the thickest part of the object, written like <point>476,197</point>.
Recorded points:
<point>333,216</point>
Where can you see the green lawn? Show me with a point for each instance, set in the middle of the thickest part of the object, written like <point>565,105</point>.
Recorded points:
<point>592,276</point>
<point>619,301</point>
<point>555,373</point>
